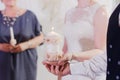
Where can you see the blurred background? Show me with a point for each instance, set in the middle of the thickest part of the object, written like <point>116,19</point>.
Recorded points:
<point>51,13</point>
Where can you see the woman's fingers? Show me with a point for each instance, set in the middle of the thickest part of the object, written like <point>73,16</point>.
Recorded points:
<point>57,69</point>
<point>48,67</point>
<point>16,49</point>
<point>53,69</point>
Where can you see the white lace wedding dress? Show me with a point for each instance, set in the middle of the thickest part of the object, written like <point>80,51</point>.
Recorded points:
<point>80,34</point>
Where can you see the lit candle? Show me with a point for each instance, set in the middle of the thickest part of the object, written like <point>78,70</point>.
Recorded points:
<point>53,46</point>
<point>54,42</point>
<point>13,40</point>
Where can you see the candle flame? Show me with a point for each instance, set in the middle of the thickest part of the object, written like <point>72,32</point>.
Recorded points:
<point>53,28</point>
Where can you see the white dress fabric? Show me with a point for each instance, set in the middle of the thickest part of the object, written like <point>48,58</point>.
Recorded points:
<point>80,34</point>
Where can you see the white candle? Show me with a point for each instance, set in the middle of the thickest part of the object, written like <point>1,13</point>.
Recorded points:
<point>11,33</point>
<point>13,40</point>
<point>54,43</point>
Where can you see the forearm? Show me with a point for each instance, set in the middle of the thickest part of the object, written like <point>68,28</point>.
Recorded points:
<point>86,54</point>
<point>90,67</point>
<point>35,41</point>
<point>32,43</point>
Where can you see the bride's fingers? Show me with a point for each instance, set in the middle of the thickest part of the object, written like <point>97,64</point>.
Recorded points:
<point>53,69</point>
<point>62,68</point>
<point>48,67</point>
<point>57,69</point>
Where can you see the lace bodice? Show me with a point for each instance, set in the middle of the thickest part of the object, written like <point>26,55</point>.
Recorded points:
<point>80,32</point>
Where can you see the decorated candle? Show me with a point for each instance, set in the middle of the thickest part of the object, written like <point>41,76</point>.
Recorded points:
<point>13,40</point>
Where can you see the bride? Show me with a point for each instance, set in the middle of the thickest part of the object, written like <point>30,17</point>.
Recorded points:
<point>85,34</point>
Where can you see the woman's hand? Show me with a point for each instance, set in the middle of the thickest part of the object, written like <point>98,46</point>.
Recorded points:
<point>20,47</point>
<point>5,47</point>
<point>57,69</point>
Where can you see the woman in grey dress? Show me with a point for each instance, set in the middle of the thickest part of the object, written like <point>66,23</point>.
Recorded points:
<point>18,62</point>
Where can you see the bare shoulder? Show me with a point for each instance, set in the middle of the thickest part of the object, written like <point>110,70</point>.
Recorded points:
<point>101,11</point>
<point>101,17</point>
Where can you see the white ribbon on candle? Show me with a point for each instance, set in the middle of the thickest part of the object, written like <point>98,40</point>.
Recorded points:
<point>13,40</point>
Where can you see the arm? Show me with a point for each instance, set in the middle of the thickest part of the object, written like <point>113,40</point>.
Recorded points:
<point>100,28</point>
<point>35,41</point>
<point>32,43</point>
<point>90,67</point>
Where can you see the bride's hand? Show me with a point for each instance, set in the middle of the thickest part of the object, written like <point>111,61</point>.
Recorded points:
<point>57,69</point>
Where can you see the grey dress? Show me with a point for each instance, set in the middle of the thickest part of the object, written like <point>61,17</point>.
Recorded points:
<point>23,65</point>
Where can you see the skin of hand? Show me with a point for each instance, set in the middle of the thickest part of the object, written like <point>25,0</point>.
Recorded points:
<point>28,44</point>
<point>6,47</point>
<point>19,48</point>
<point>56,68</point>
